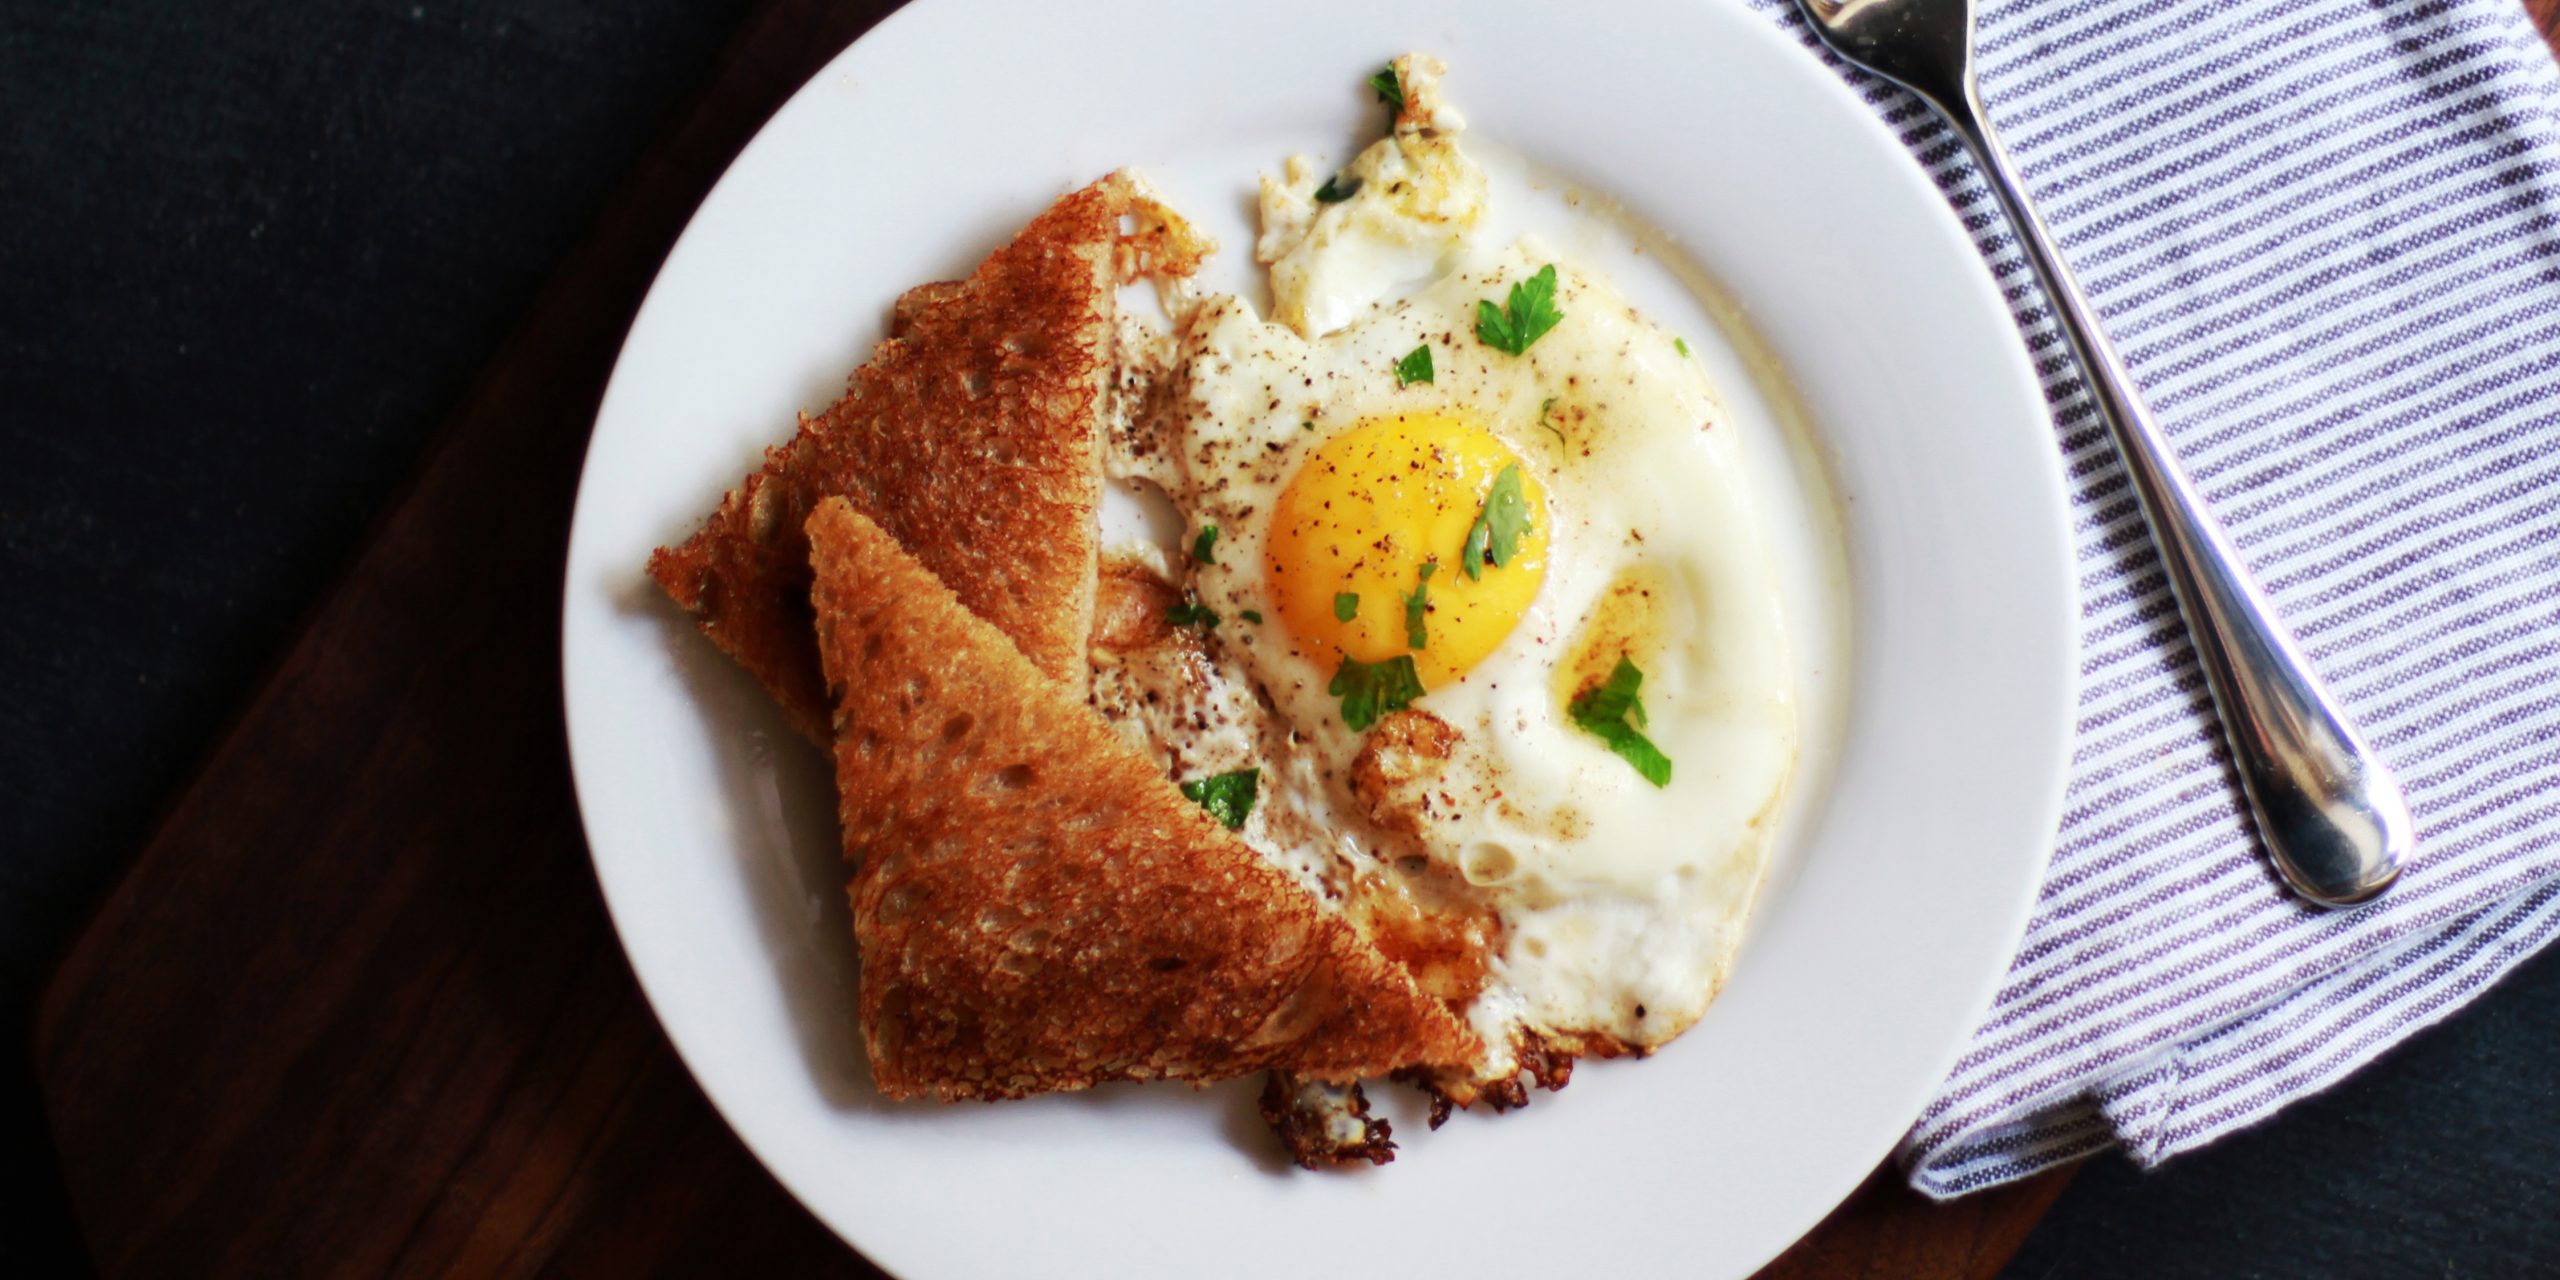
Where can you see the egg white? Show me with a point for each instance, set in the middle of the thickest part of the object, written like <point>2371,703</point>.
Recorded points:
<point>1621,904</point>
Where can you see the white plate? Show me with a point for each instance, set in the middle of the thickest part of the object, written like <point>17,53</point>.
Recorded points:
<point>1935,612</point>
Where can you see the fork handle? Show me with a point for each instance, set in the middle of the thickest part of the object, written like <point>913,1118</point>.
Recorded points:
<point>2331,815</point>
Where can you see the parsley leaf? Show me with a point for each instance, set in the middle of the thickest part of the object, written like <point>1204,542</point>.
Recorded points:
<point>1391,92</point>
<point>1390,89</point>
<point>1544,409</point>
<point>1202,545</point>
<point>1192,613</point>
<point>1417,604</point>
<point>1250,615</point>
<point>1370,690</point>
<point>1346,606</point>
<point>1415,367</point>
<point>1525,319</point>
<point>1605,710</point>
<point>1681,345</point>
<point>1499,527</point>
<point>1336,190</point>
<point>1227,796</point>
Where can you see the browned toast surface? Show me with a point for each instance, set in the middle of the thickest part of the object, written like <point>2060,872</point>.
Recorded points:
<point>1037,907</point>
<point>972,435</point>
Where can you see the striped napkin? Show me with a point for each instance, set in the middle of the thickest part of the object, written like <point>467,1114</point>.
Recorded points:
<point>2326,236</point>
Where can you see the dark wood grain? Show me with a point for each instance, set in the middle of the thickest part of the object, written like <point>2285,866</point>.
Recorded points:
<point>357,1010</point>
<point>1891,1232</point>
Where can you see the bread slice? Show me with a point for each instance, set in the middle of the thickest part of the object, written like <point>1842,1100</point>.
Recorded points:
<point>973,435</point>
<point>1037,907</point>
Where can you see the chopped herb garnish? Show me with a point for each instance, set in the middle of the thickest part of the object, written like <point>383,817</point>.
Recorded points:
<point>1227,796</point>
<point>1391,92</point>
<point>1681,345</point>
<point>1346,606</point>
<point>1499,527</point>
<point>1417,604</point>
<point>1250,615</point>
<point>1544,409</point>
<point>1202,546</point>
<point>1525,319</point>
<point>1337,189</point>
<point>1192,613</point>
<point>1311,424</point>
<point>1415,367</point>
<point>1612,710</point>
<point>1370,690</point>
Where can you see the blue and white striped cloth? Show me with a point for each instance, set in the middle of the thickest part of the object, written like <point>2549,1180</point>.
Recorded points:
<point>2326,236</point>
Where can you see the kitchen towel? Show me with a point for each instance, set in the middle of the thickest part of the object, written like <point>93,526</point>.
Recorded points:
<point>2325,234</point>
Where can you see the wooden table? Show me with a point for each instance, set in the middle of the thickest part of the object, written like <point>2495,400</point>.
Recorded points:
<point>357,1010</point>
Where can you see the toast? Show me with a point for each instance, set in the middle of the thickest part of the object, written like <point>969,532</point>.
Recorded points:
<point>1037,907</point>
<point>973,436</point>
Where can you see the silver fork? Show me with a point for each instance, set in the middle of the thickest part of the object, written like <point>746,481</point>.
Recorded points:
<point>2330,813</point>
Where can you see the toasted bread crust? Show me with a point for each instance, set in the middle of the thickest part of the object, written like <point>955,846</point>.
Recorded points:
<point>973,435</point>
<point>1037,907</point>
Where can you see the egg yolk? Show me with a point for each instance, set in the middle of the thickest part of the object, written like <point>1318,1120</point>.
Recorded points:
<point>1627,622</point>
<point>1354,531</point>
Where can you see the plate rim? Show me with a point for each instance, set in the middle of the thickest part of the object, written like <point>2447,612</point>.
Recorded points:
<point>1752,27</point>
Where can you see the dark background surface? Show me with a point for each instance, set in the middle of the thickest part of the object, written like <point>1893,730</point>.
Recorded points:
<point>255,251</point>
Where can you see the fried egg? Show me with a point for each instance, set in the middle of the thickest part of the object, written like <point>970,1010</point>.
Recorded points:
<point>1337,242</point>
<point>1475,583</point>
